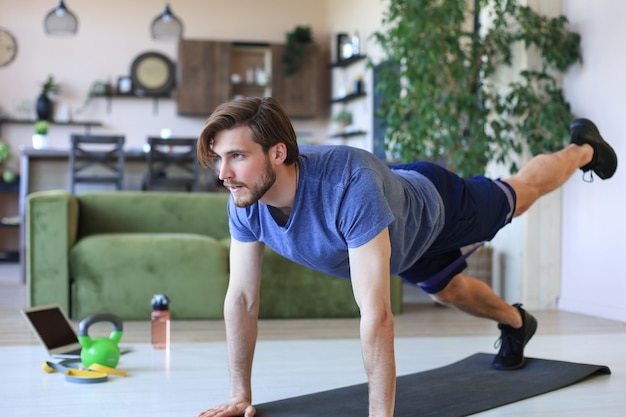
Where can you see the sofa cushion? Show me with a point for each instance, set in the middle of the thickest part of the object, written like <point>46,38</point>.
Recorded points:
<point>191,269</point>
<point>153,212</point>
<point>290,290</point>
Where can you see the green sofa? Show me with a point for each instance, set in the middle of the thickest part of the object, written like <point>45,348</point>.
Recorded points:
<point>111,251</point>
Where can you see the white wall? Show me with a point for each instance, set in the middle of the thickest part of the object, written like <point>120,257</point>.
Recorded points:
<point>111,35</point>
<point>594,271</point>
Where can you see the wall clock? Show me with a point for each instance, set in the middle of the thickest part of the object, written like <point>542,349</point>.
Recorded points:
<point>8,47</point>
<point>153,73</point>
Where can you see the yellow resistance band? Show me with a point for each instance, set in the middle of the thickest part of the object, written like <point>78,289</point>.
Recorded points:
<point>95,373</point>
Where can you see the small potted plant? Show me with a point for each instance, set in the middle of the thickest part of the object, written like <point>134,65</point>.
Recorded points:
<point>296,48</point>
<point>97,89</point>
<point>343,119</point>
<point>40,138</point>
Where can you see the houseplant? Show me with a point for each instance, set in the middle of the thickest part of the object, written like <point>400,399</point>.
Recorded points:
<point>5,152</point>
<point>343,118</point>
<point>8,174</point>
<point>40,138</point>
<point>44,105</point>
<point>98,88</point>
<point>448,105</point>
<point>295,49</point>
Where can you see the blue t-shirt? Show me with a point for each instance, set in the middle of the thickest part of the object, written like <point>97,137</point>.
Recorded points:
<point>345,197</point>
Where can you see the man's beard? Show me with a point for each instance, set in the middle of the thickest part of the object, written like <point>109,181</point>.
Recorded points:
<point>257,190</point>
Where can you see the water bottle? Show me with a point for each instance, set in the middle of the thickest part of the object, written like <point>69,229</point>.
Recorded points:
<point>160,322</point>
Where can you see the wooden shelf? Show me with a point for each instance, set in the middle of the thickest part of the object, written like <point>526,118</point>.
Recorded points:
<point>347,62</point>
<point>133,95</point>
<point>250,90</point>
<point>349,134</point>
<point>349,97</point>
<point>248,85</point>
<point>154,97</point>
<point>87,123</point>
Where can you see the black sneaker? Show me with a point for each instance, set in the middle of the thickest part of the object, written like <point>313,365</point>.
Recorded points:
<point>604,162</point>
<point>512,342</point>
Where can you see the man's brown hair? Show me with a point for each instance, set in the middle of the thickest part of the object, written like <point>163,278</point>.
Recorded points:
<point>265,117</point>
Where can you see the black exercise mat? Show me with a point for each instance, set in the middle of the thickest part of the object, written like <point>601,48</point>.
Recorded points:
<point>460,389</point>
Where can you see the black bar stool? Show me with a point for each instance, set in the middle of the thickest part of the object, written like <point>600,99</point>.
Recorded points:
<point>97,159</point>
<point>172,163</point>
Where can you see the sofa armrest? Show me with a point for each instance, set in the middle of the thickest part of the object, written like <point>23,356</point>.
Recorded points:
<point>51,226</point>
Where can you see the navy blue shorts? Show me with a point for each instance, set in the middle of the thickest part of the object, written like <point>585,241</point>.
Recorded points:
<point>475,210</point>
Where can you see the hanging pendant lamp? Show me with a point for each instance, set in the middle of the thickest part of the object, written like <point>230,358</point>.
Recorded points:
<point>166,26</point>
<point>60,21</point>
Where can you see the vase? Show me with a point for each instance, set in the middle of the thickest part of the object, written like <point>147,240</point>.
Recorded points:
<point>40,141</point>
<point>44,108</point>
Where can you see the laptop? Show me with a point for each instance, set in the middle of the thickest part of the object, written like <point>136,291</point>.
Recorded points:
<point>55,331</point>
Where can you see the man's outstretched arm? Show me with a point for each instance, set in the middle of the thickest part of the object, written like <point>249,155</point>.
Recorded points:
<point>241,310</point>
<point>369,266</point>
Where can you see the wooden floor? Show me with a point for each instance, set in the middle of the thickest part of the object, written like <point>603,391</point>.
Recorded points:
<point>296,357</point>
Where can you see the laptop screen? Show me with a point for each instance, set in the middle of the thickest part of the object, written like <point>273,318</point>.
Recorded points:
<point>52,326</point>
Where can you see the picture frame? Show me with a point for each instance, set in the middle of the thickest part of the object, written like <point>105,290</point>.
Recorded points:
<point>125,85</point>
<point>342,38</point>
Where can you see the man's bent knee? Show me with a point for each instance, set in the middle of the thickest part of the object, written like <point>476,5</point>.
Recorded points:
<point>448,294</point>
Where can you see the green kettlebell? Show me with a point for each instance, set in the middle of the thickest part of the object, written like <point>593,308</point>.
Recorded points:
<point>100,350</point>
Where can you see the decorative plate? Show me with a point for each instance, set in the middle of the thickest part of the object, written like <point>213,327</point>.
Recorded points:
<point>153,74</point>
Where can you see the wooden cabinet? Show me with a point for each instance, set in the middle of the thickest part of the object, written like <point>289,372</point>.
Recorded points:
<point>298,93</point>
<point>204,69</point>
<point>213,72</point>
<point>250,70</point>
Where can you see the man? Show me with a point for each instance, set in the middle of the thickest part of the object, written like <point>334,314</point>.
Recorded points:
<point>342,211</point>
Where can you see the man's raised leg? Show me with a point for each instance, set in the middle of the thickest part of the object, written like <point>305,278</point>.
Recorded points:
<point>540,176</point>
<point>545,173</point>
